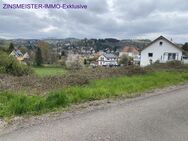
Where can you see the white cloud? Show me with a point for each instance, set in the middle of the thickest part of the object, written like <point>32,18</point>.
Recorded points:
<point>50,28</point>
<point>103,18</point>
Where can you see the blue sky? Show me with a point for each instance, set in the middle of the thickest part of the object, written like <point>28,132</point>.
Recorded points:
<point>121,19</point>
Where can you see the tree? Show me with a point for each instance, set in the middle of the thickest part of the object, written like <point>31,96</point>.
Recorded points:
<point>124,60</point>
<point>85,61</point>
<point>44,47</point>
<point>38,57</point>
<point>11,48</point>
<point>185,47</point>
<point>10,65</point>
<point>63,53</point>
<point>23,49</point>
<point>73,62</point>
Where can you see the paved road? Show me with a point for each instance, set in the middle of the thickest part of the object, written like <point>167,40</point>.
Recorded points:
<point>155,118</point>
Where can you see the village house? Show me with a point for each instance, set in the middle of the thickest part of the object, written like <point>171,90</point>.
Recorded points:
<point>22,58</point>
<point>161,50</point>
<point>129,51</point>
<point>108,59</point>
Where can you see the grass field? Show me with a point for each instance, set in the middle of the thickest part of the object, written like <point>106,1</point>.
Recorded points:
<point>48,71</point>
<point>19,104</point>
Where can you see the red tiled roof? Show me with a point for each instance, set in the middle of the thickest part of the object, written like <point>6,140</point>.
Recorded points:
<point>130,49</point>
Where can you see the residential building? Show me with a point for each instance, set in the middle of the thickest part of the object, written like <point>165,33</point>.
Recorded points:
<point>19,56</point>
<point>129,51</point>
<point>108,59</point>
<point>161,50</point>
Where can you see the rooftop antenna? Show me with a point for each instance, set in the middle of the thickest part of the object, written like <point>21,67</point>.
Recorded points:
<point>171,40</point>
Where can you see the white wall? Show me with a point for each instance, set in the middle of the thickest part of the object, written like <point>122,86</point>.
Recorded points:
<point>129,54</point>
<point>106,61</point>
<point>158,52</point>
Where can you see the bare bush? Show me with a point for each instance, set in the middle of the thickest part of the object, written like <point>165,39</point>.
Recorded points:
<point>73,62</point>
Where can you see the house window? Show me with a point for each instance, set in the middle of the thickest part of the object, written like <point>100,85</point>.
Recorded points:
<point>102,58</point>
<point>161,43</point>
<point>150,54</point>
<point>171,56</point>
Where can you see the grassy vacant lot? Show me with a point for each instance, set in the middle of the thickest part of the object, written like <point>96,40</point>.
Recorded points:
<point>48,71</point>
<point>37,85</point>
<point>127,86</point>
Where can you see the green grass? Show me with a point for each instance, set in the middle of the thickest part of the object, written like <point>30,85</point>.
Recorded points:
<point>124,86</point>
<point>48,71</point>
<point>19,104</point>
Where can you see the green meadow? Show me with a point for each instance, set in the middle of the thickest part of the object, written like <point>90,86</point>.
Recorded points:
<point>49,71</point>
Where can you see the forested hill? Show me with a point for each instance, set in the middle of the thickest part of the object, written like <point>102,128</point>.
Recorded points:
<point>97,44</point>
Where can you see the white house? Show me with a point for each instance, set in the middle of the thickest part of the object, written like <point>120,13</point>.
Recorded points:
<point>108,60</point>
<point>162,50</point>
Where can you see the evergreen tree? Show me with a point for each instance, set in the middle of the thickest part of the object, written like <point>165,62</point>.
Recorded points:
<point>11,48</point>
<point>185,47</point>
<point>38,57</point>
<point>85,61</point>
<point>124,60</point>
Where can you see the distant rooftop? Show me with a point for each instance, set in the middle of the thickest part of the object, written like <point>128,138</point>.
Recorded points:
<point>110,55</point>
<point>130,49</point>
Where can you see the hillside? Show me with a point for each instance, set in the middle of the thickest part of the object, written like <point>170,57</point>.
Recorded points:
<point>96,44</point>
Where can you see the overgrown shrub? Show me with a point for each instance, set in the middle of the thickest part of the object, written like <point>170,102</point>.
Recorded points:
<point>10,65</point>
<point>174,63</point>
<point>73,62</point>
<point>171,65</point>
<point>124,60</point>
<point>73,65</point>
